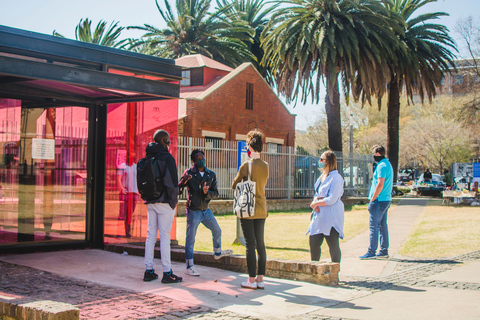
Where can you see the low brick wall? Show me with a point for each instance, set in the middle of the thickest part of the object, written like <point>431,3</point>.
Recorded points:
<point>21,309</point>
<point>323,273</point>
<point>225,206</point>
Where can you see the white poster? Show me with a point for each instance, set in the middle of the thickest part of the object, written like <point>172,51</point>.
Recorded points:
<point>43,149</point>
<point>121,157</point>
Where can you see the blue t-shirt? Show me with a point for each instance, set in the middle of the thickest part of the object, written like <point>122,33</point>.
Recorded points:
<point>383,170</point>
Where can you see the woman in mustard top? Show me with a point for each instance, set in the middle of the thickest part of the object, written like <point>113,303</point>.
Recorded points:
<point>253,227</point>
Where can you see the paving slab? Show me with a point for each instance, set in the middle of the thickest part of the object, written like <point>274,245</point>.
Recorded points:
<point>215,288</point>
<point>410,303</point>
<point>470,272</point>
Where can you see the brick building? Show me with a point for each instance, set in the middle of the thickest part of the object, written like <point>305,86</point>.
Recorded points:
<point>220,103</point>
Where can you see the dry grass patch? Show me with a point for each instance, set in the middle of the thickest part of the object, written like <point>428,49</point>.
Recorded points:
<point>444,231</point>
<point>285,233</point>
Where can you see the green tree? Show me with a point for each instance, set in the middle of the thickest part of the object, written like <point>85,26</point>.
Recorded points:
<point>101,35</point>
<point>424,56</point>
<point>313,39</point>
<point>192,30</point>
<point>255,14</point>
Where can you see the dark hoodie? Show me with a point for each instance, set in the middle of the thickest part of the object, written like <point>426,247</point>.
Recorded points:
<point>168,168</point>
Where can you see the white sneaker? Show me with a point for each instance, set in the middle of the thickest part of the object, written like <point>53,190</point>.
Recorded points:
<point>192,272</point>
<point>249,285</point>
<point>223,253</point>
<point>260,285</point>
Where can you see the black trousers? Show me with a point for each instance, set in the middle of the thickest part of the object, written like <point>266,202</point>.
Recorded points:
<point>253,231</point>
<point>333,245</point>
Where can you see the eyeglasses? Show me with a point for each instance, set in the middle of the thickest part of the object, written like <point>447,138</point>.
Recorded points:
<point>322,159</point>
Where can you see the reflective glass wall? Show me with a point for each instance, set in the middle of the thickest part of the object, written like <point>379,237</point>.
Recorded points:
<point>130,127</point>
<point>43,163</point>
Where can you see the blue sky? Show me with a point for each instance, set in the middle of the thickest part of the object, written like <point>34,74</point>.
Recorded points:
<point>44,16</point>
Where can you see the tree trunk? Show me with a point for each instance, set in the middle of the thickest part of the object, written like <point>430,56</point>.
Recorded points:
<point>393,126</point>
<point>334,121</point>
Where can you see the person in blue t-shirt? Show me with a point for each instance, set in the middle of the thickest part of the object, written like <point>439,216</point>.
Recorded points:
<point>380,197</point>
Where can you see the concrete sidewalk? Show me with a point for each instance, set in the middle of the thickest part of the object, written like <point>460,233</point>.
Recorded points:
<point>106,285</point>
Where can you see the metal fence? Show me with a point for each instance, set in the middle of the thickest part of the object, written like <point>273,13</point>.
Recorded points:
<point>291,175</point>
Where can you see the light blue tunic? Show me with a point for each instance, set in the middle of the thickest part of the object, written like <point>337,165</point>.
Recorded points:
<point>331,190</point>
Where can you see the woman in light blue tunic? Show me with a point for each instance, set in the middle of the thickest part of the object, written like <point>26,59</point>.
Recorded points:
<point>328,210</point>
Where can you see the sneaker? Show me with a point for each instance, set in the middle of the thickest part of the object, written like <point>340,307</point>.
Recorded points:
<point>249,285</point>
<point>223,253</point>
<point>382,255</point>
<point>191,271</point>
<point>169,277</point>
<point>368,256</point>
<point>260,285</point>
<point>150,275</point>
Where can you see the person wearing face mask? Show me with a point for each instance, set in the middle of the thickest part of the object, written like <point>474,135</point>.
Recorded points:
<point>328,210</point>
<point>201,184</point>
<point>380,197</point>
<point>161,211</point>
<point>254,227</point>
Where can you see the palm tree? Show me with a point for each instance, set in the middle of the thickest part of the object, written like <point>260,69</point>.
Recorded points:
<point>314,39</point>
<point>255,14</point>
<point>101,35</point>
<point>194,30</point>
<point>424,57</point>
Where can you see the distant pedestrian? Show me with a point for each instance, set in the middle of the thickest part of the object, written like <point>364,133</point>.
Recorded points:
<point>254,227</point>
<point>328,210</point>
<point>380,197</point>
<point>161,211</point>
<point>427,176</point>
<point>447,178</point>
<point>202,187</point>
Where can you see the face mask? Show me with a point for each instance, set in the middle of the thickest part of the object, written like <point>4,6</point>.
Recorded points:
<point>378,158</point>
<point>200,163</point>
<point>249,153</point>
<point>321,165</point>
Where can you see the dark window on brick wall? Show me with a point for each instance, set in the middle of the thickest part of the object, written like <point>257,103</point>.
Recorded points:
<point>249,103</point>
<point>458,80</point>
<point>196,77</point>
<point>215,143</point>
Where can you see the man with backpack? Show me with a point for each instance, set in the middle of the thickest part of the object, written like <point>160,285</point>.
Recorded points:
<point>202,187</point>
<point>158,187</point>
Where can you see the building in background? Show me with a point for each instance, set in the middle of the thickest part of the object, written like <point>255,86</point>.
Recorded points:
<point>220,103</point>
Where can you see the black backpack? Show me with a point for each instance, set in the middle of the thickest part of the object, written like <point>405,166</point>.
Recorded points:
<point>149,179</point>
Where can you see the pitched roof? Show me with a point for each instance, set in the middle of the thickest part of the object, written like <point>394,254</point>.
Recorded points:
<point>198,60</point>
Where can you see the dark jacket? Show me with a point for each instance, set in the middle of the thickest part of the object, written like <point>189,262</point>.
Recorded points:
<point>168,169</point>
<point>197,199</point>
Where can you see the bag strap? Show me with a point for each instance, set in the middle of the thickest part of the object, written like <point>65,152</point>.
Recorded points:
<point>249,168</point>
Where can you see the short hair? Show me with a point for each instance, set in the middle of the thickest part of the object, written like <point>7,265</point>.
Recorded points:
<point>194,154</point>
<point>159,135</point>
<point>378,149</point>
<point>255,140</point>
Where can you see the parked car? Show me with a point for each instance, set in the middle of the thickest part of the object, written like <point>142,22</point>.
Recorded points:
<point>405,175</point>
<point>434,187</point>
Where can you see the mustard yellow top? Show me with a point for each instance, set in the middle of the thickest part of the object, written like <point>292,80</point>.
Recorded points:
<point>259,174</point>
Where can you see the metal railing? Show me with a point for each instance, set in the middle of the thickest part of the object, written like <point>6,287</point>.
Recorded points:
<point>291,175</point>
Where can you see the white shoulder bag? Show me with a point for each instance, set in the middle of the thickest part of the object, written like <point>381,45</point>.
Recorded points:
<point>244,199</point>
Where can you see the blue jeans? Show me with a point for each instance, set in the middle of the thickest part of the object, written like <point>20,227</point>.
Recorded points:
<point>194,218</point>
<point>378,224</point>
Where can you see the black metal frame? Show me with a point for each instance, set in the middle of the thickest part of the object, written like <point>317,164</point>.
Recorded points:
<point>31,62</point>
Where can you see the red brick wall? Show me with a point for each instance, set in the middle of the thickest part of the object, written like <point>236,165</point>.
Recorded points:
<point>224,111</point>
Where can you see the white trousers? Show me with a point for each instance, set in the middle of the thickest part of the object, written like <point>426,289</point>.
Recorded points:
<point>160,218</point>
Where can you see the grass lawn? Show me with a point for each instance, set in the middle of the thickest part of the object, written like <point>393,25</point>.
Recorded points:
<point>444,231</point>
<point>285,236</point>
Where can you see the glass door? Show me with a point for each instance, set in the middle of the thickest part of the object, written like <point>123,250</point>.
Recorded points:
<point>42,173</point>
